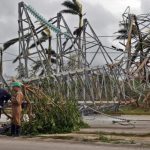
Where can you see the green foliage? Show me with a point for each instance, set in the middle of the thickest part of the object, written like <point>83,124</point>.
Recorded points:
<point>53,119</point>
<point>132,109</point>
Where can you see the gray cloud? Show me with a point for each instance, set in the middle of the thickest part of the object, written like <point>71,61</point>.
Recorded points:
<point>99,18</point>
<point>9,14</point>
<point>145,6</point>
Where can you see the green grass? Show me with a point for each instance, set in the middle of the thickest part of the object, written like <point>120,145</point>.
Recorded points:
<point>104,138</point>
<point>124,134</point>
<point>109,139</point>
<point>131,110</point>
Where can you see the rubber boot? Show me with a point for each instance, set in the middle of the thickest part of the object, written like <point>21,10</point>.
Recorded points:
<point>17,130</point>
<point>13,130</point>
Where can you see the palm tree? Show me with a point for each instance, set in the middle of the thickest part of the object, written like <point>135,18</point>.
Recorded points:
<point>128,32</point>
<point>73,7</point>
<point>1,62</point>
<point>5,46</point>
<point>142,47</point>
<point>145,45</point>
<point>45,36</point>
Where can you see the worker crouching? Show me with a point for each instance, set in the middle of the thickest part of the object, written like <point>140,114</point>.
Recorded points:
<point>17,97</point>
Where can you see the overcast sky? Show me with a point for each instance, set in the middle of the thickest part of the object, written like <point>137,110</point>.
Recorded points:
<point>103,15</point>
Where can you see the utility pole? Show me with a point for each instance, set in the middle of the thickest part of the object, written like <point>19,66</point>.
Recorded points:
<point>1,63</point>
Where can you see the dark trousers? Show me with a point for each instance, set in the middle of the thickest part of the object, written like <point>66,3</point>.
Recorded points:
<point>0,112</point>
<point>15,130</point>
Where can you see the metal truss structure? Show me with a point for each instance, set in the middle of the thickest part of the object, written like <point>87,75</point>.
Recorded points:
<point>70,57</point>
<point>135,39</point>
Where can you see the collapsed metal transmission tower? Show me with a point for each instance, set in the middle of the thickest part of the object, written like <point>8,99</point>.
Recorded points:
<point>51,49</point>
<point>68,52</point>
<point>69,58</point>
<point>135,36</point>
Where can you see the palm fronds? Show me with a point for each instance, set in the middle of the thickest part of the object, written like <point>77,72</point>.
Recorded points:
<point>69,12</point>
<point>17,58</point>
<point>78,31</point>
<point>73,7</point>
<point>9,43</point>
<point>145,45</point>
<point>39,41</point>
<point>122,31</point>
<point>37,66</point>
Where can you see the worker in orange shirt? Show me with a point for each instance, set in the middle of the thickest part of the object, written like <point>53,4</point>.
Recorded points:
<point>17,97</point>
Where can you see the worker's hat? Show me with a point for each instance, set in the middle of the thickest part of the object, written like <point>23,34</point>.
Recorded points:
<point>16,84</point>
